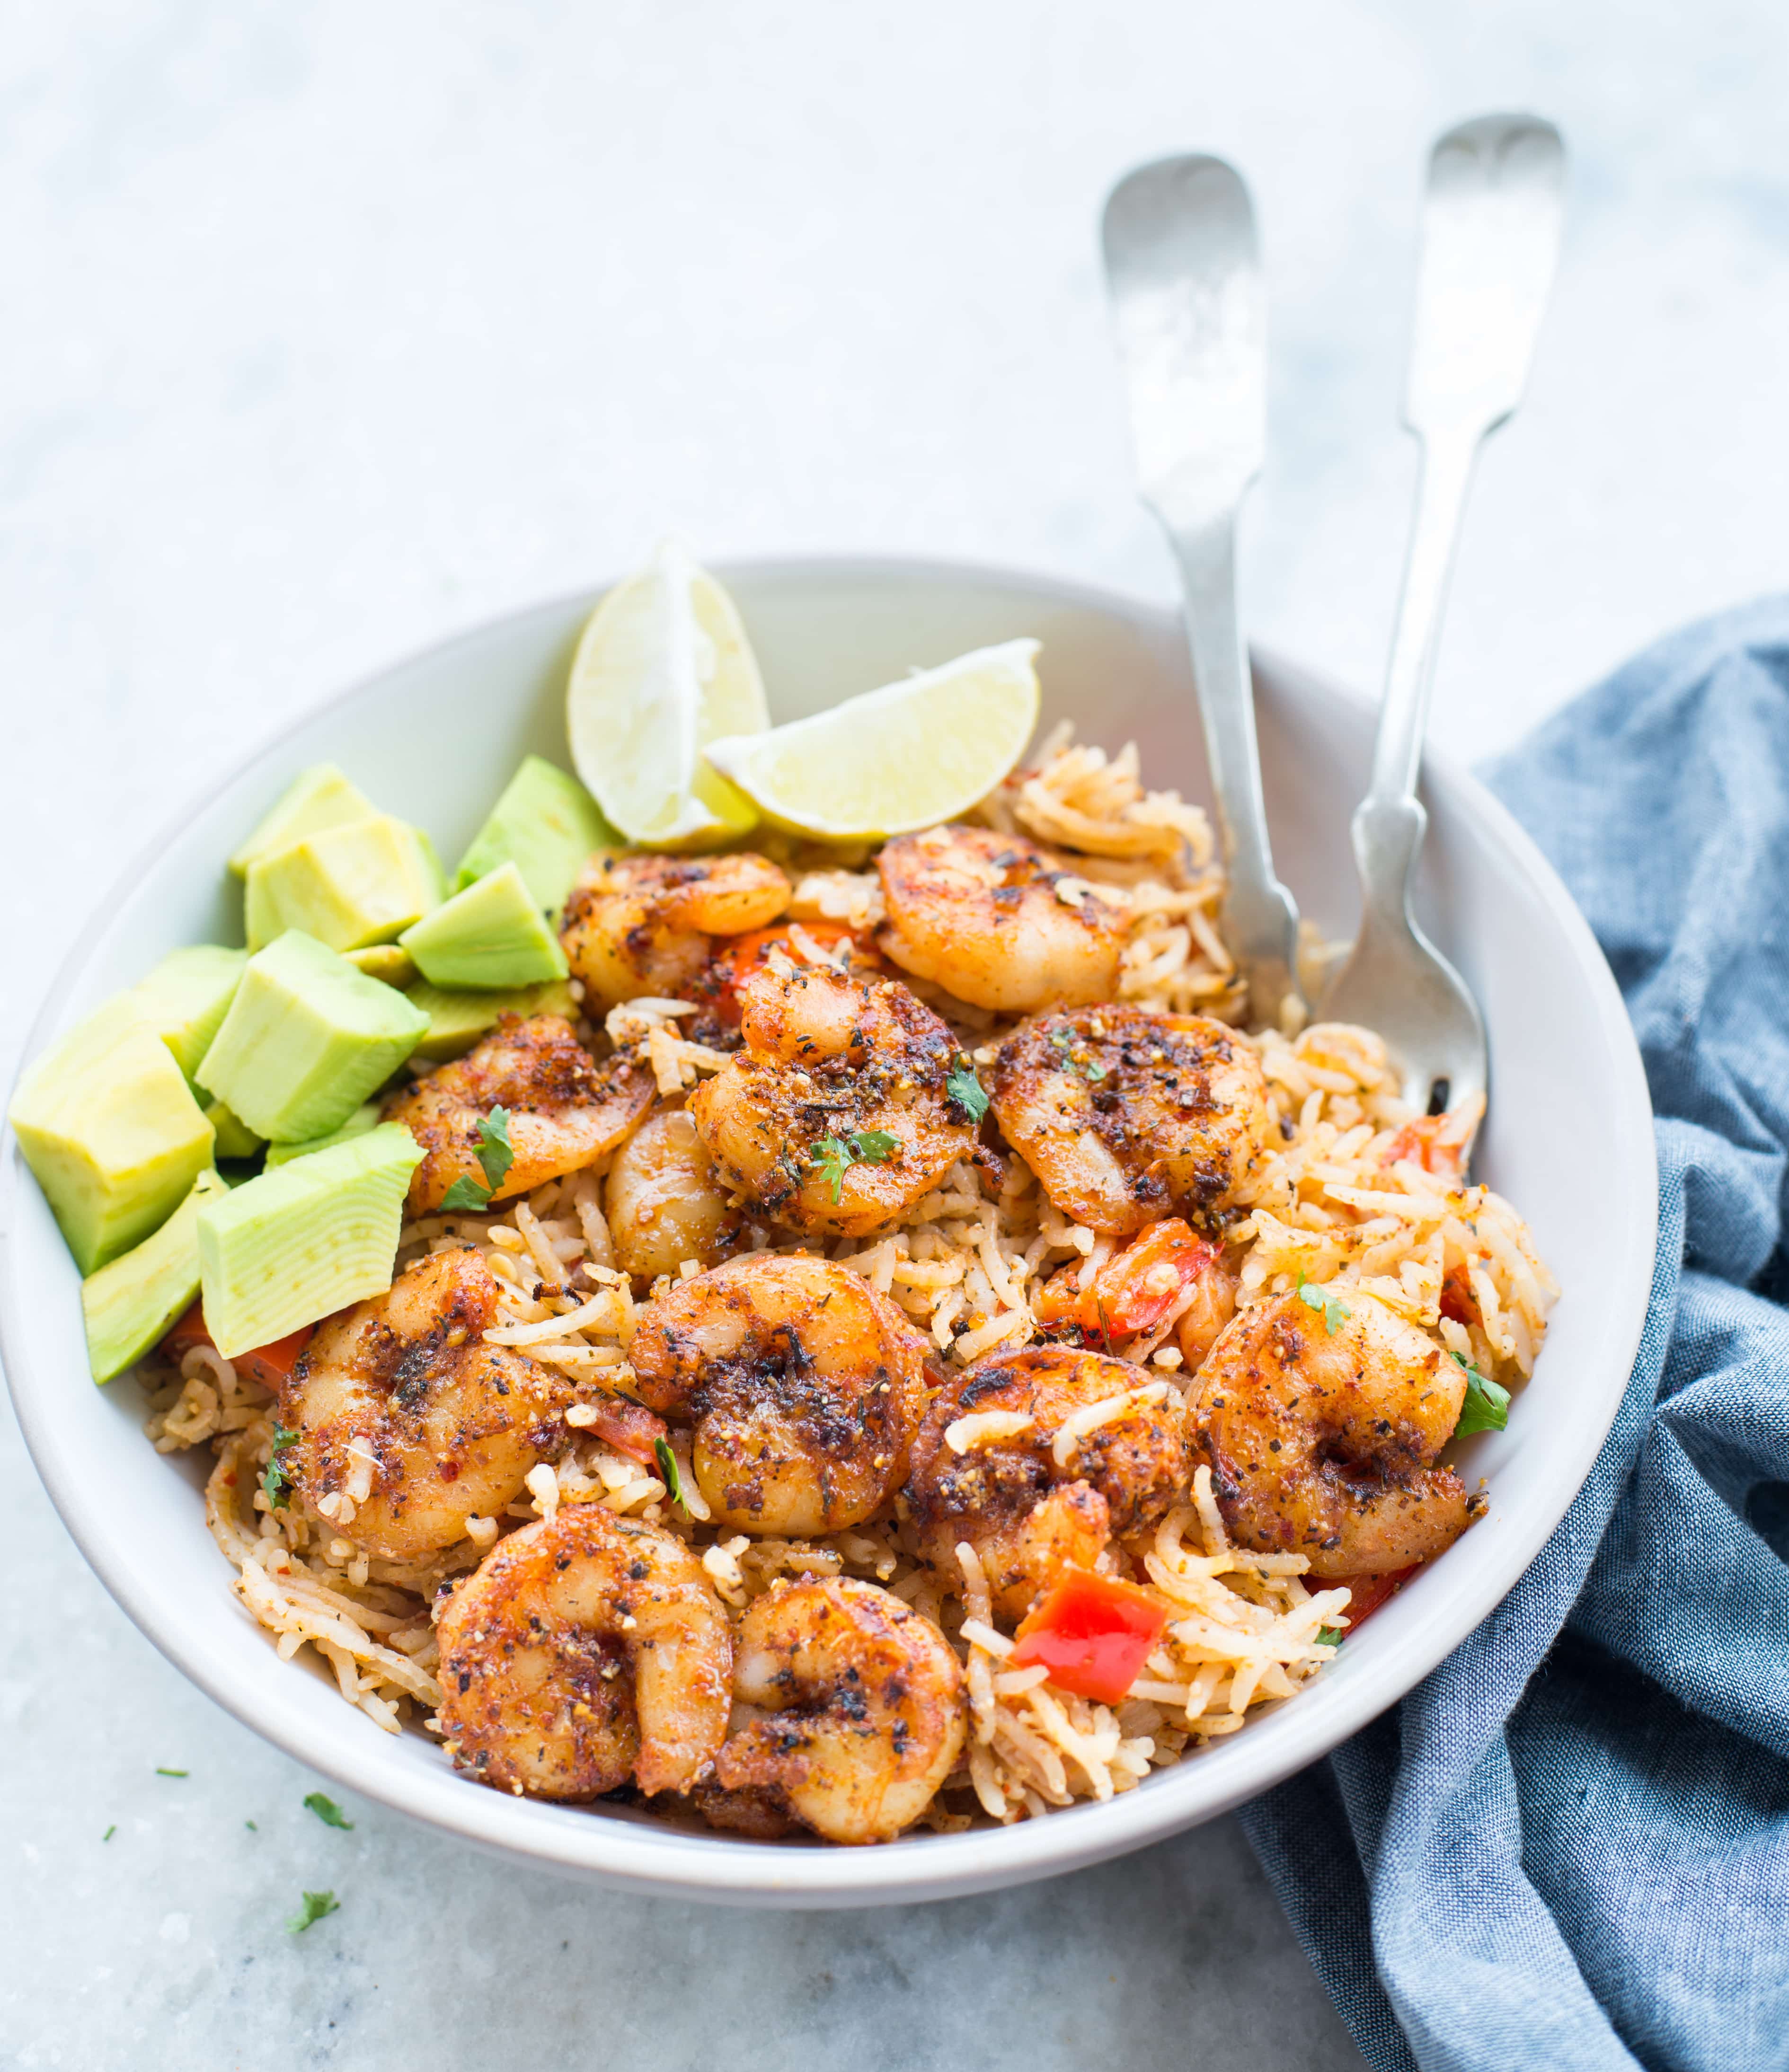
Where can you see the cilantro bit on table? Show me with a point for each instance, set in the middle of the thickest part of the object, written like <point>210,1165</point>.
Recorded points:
<point>327,1810</point>
<point>251,1826</point>
<point>1487,1407</point>
<point>497,1155</point>
<point>110,1832</point>
<point>1333,1310</point>
<point>966,1090</point>
<point>275,1481</point>
<point>668,1470</point>
<point>160,1772</point>
<point>863,1147</point>
<point>316,1906</point>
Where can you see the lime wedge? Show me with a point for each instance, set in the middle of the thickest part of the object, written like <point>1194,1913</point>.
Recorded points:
<point>906,756</point>
<point>662,667</point>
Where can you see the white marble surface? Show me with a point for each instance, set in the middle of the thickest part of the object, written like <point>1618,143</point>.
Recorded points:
<point>331,327</point>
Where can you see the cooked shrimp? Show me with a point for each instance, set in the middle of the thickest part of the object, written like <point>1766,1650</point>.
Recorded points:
<point>564,1109</point>
<point>1323,1442</point>
<point>1125,1116</point>
<point>865,1705</point>
<point>998,921</point>
<point>1029,1495</point>
<point>586,1652</point>
<point>663,1202</point>
<point>407,1421</point>
<point>836,1116</point>
<point>644,925</point>
<point>805,1387</point>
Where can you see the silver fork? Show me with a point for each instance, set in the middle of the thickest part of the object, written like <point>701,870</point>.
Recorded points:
<point>1492,216</point>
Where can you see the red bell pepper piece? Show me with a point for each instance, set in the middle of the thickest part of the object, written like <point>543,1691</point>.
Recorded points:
<point>271,1365</point>
<point>1092,1634</point>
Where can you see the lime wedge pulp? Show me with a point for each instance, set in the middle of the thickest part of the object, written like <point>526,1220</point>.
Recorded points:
<point>906,756</point>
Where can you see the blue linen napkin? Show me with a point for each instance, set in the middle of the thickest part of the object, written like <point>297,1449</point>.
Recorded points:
<point>1570,1847</point>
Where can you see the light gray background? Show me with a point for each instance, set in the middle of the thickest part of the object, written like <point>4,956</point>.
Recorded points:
<point>334,325</point>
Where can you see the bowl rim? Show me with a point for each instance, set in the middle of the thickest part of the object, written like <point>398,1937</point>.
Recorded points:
<point>657,1860</point>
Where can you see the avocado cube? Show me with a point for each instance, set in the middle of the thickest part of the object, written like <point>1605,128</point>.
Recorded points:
<point>548,825</point>
<point>184,999</point>
<point>305,1240</point>
<point>349,887</point>
<point>306,1039</point>
<point>318,797</point>
<point>385,962</point>
<point>492,934</point>
<point>458,1020</point>
<point>108,1123</point>
<point>132,1304</point>
<point>234,1138</point>
<point>365,1117</point>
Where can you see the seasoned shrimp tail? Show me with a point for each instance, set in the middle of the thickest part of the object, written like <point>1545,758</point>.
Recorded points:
<point>565,1111</point>
<point>1323,1427</point>
<point>587,1652</point>
<point>644,925</point>
<point>860,1705</point>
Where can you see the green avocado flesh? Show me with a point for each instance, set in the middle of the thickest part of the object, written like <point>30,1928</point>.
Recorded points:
<point>305,1240</point>
<point>458,1020</point>
<point>132,1304</point>
<point>109,1126</point>
<point>350,886</point>
<point>365,1117</point>
<point>492,934</point>
<point>306,1039</point>
<point>184,999</point>
<point>318,797</point>
<point>385,962</point>
<point>548,825</point>
<point>235,1138</point>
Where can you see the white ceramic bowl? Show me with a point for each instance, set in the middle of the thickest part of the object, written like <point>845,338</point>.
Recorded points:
<point>1568,1139</point>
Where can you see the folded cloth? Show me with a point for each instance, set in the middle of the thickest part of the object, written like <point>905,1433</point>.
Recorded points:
<point>1570,1847</point>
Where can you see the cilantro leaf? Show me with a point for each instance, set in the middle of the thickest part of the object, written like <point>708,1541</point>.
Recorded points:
<point>829,1160</point>
<point>1329,1636</point>
<point>862,1147</point>
<point>1333,1310</point>
<point>1487,1407</point>
<point>170,1772</point>
<point>110,1832</point>
<point>872,1147</point>
<point>495,1154</point>
<point>327,1810</point>
<point>668,1470</point>
<point>274,1481</point>
<point>316,1906</point>
<point>966,1090</point>
<point>1089,1068</point>
<point>466,1193</point>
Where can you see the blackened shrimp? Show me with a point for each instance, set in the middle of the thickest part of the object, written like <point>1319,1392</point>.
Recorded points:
<point>587,1651</point>
<point>803,1384</point>
<point>998,921</point>
<point>1126,1117</point>
<point>837,1117</point>
<point>564,1109</point>
<point>664,1204</point>
<point>860,1709</point>
<point>1039,1459</point>
<point>638,926</point>
<point>407,1422</point>
<point>1322,1425</point>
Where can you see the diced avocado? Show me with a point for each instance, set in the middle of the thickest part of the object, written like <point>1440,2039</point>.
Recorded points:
<point>318,797</point>
<point>492,934</point>
<point>458,1020</point>
<point>547,824</point>
<point>365,1117</point>
<point>304,1241</point>
<point>108,1123</point>
<point>131,1305</point>
<point>183,1000</point>
<point>385,962</point>
<point>306,1039</point>
<point>349,887</point>
<point>235,1138</point>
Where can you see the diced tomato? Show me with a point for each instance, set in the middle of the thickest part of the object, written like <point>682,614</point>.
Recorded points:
<point>1367,1594</point>
<point>1137,1289</point>
<point>1458,1302</point>
<point>1419,1142</point>
<point>1092,1634</point>
<point>628,1426</point>
<point>737,957</point>
<point>271,1365</point>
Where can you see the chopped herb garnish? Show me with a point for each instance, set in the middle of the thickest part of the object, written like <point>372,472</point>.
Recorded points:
<point>667,1469</point>
<point>1089,1068</point>
<point>327,1810</point>
<point>862,1147</point>
<point>170,1773</point>
<point>251,1826</point>
<point>1329,1636</point>
<point>275,1480</point>
<point>316,1906</point>
<point>1487,1408</point>
<point>496,1154</point>
<point>110,1832</point>
<point>1333,1310</point>
<point>966,1090</point>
